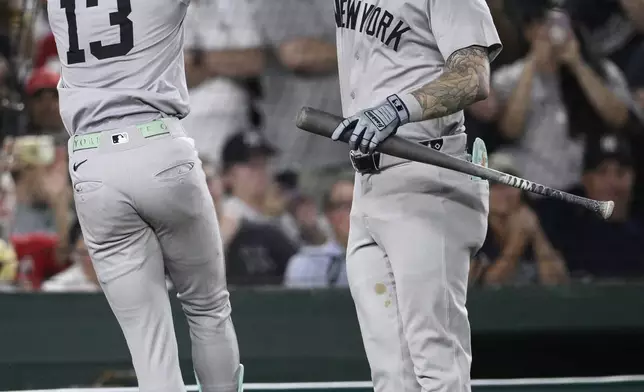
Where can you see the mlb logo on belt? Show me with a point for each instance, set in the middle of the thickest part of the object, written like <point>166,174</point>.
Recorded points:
<point>120,138</point>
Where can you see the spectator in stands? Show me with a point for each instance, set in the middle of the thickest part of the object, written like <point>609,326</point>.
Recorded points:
<point>301,70</point>
<point>516,249</point>
<point>256,247</point>
<point>246,162</point>
<point>228,224</point>
<point>223,62</point>
<point>80,276</point>
<point>37,259</point>
<point>46,54</point>
<point>7,188</point>
<point>4,71</point>
<point>285,199</point>
<point>554,96</point>
<point>481,118</point>
<point>44,113</point>
<point>297,207</point>
<point>8,266</point>
<point>639,95</point>
<point>38,20</point>
<point>43,195</point>
<point>308,225</point>
<point>636,135</point>
<point>594,248</point>
<point>5,29</point>
<point>513,46</point>
<point>258,254</point>
<point>323,264</point>
<point>615,27</point>
<point>636,83</point>
<point>255,196</point>
<point>7,82</point>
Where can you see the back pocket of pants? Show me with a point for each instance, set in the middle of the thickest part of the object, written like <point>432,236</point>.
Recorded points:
<point>90,191</point>
<point>175,171</point>
<point>85,187</point>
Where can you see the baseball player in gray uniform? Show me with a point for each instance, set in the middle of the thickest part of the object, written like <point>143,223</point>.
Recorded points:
<point>410,67</point>
<point>139,188</point>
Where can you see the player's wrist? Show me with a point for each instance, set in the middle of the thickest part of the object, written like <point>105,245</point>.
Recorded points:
<point>413,110</point>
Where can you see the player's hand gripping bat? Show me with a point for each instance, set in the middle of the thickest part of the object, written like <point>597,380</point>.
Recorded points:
<point>323,124</point>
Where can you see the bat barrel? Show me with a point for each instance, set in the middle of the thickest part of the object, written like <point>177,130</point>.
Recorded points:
<point>317,121</point>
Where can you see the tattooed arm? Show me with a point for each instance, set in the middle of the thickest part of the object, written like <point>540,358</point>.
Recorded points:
<point>465,80</point>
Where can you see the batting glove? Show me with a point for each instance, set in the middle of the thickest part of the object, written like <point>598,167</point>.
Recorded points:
<point>371,127</point>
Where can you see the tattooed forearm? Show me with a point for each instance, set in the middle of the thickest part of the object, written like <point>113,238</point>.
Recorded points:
<point>466,80</point>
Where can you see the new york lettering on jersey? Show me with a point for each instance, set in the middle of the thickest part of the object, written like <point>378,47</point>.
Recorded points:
<point>372,20</point>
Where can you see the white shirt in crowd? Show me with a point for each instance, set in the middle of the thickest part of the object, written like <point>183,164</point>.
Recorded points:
<point>73,279</point>
<point>237,208</point>
<point>317,266</point>
<point>219,106</point>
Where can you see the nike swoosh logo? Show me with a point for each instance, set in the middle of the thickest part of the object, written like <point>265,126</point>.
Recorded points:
<point>76,165</point>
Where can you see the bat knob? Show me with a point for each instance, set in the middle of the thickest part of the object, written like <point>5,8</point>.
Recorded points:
<point>606,209</point>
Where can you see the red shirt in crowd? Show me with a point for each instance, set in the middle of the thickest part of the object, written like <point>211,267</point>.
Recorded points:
<point>37,258</point>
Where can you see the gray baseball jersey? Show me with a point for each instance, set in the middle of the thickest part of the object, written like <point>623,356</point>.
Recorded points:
<point>414,227</point>
<point>102,89</point>
<point>394,46</point>
<point>140,191</point>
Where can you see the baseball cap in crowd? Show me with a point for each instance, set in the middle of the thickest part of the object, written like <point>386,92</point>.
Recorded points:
<point>41,79</point>
<point>243,146</point>
<point>607,147</point>
<point>503,162</point>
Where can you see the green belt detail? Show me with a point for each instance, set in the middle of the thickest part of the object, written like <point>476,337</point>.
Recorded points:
<point>154,128</point>
<point>87,141</point>
<point>93,140</point>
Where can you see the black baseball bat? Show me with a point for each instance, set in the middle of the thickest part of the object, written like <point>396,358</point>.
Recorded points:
<point>323,123</point>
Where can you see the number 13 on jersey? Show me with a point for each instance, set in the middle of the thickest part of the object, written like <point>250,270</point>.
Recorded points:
<point>76,55</point>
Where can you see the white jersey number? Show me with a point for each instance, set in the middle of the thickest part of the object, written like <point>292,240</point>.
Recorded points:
<point>119,18</point>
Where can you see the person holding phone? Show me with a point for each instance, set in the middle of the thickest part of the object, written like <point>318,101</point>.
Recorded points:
<point>616,28</point>
<point>555,95</point>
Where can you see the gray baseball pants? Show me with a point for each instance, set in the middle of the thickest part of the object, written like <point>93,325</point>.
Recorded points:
<point>414,228</point>
<point>144,207</point>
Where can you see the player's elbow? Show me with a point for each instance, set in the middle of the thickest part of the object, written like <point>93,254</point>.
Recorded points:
<point>483,89</point>
<point>480,74</point>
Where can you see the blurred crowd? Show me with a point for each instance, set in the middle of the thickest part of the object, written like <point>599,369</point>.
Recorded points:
<point>566,110</point>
